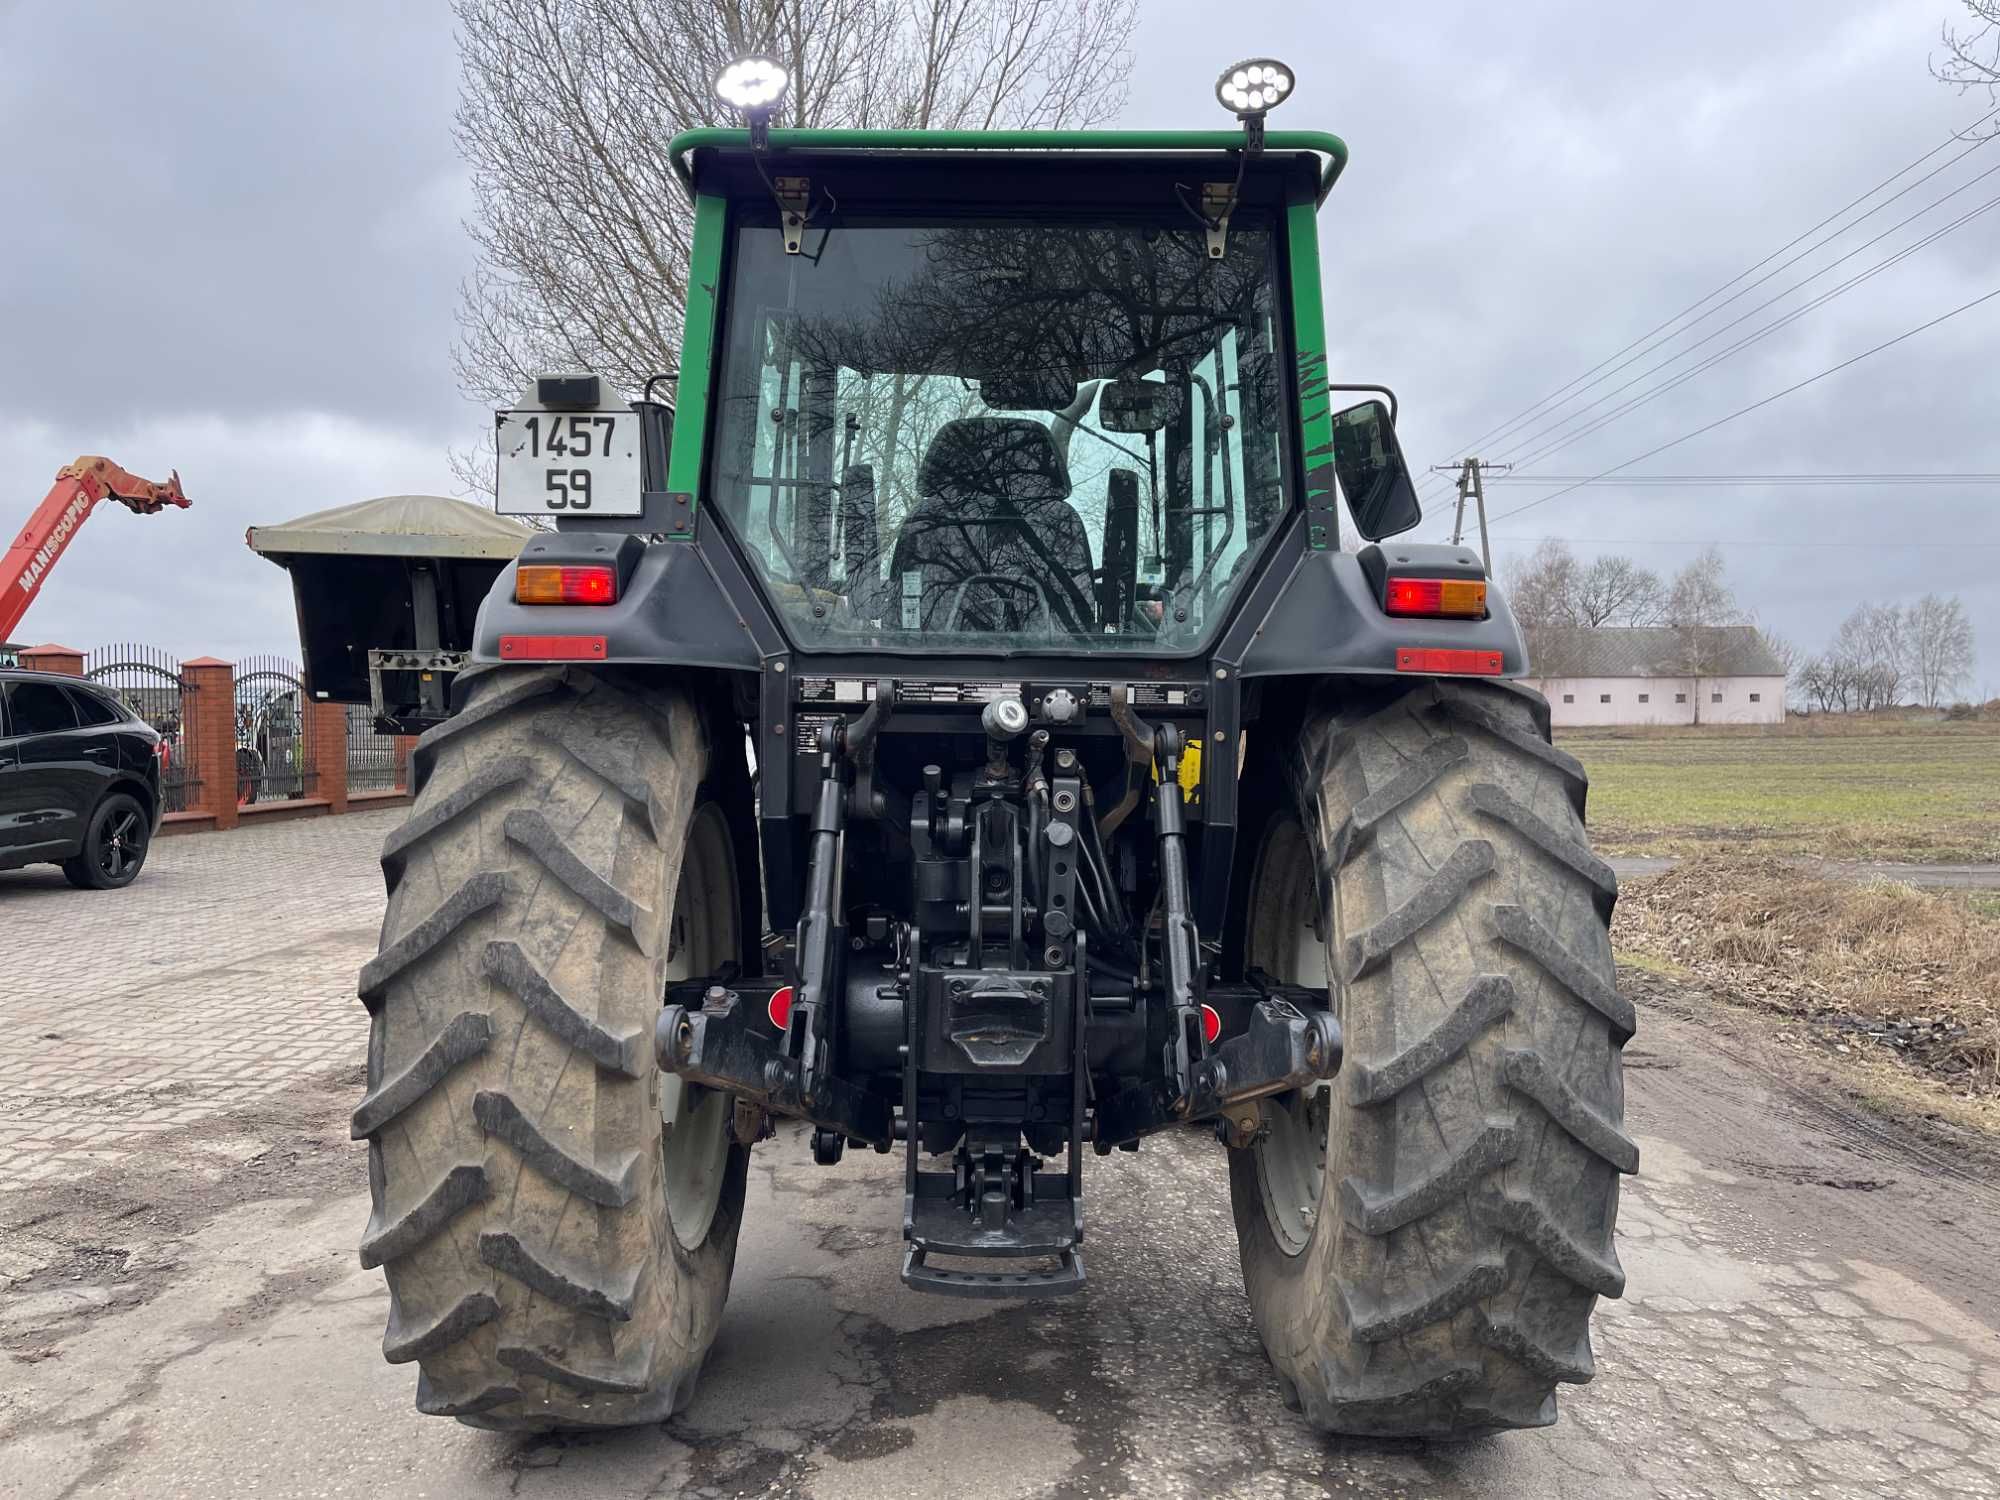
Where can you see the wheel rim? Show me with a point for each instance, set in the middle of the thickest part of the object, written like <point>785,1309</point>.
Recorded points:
<point>121,843</point>
<point>694,1143</point>
<point>1283,940</point>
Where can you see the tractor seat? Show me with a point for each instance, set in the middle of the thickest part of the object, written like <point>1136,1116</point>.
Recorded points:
<point>992,543</point>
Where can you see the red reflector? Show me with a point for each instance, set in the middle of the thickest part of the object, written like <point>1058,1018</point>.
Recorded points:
<point>1211,1024</point>
<point>1439,662</point>
<point>780,1008</point>
<point>552,648</point>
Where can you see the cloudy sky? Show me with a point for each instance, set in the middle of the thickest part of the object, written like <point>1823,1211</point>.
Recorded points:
<point>232,242</point>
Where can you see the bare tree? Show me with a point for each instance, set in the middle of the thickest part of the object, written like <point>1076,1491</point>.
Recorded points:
<point>1939,642</point>
<point>1555,597</point>
<point>566,108</point>
<point>1818,681</point>
<point>1872,648</point>
<point>1787,656</point>
<point>1699,605</point>
<point>1539,590</point>
<point>1614,590</point>
<point>1971,58</point>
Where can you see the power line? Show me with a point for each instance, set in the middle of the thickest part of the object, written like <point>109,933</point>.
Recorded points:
<point>1777,323</point>
<point>1739,481</point>
<point>1743,411</point>
<point>1564,390</point>
<point>1794,260</point>
<point>1673,382</point>
<point>1653,541</point>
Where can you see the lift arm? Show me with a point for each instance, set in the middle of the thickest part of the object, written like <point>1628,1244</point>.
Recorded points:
<point>78,488</point>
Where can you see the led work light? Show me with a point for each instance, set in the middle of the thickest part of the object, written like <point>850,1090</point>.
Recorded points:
<point>752,84</point>
<point>1250,88</point>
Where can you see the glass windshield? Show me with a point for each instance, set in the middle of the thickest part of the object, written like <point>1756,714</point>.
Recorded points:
<point>980,436</point>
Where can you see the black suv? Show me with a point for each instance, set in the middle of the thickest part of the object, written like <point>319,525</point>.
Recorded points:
<point>79,780</point>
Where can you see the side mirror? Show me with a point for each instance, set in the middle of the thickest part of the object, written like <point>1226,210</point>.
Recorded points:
<point>1138,405</point>
<point>1368,461</point>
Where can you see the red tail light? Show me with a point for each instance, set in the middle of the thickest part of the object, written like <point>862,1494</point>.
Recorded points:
<point>536,583</point>
<point>780,1007</point>
<point>1211,1024</point>
<point>1441,598</point>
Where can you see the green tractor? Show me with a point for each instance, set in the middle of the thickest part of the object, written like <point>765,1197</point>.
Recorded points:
<point>954,728</point>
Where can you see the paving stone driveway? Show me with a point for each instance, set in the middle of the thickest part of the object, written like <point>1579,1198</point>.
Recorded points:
<point>220,976</point>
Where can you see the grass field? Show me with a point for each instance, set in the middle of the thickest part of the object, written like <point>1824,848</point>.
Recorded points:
<point>1873,788</point>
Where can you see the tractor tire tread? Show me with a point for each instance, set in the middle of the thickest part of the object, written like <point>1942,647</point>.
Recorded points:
<point>465,1035</point>
<point>532,831</point>
<point>570,1284</point>
<point>618,1051</point>
<point>401,1344</point>
<point>512,1112</point>
<point>1446,1285</point>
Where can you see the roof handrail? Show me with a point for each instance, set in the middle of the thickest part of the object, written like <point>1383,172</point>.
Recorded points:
<point>1332,147</point>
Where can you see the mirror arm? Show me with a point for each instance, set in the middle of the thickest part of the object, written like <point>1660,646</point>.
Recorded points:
<point>1380,390</point>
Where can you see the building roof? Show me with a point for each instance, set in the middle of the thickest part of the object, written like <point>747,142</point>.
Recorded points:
<point>1652,651</point>
<point>396,526</point>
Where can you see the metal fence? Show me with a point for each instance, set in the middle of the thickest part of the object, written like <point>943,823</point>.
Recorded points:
<point>274,755</point>
<point>372,764</point>
<point>148,681</point>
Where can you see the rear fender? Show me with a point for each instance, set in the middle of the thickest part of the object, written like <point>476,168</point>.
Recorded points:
<point>673,610</point>
<point>1316,613</point>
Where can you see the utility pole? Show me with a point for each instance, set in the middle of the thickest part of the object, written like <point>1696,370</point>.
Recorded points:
<point>1471,485</point>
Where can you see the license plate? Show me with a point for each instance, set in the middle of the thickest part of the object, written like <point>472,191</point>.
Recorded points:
<point>564,463</point>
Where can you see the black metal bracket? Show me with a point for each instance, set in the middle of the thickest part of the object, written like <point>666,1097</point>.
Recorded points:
<point>676,509</point>
<point>1283,1047</point>
<point>794,198</point>
<point>716,1047</point>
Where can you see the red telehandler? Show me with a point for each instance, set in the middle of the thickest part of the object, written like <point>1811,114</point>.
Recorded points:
<point>78,488</point>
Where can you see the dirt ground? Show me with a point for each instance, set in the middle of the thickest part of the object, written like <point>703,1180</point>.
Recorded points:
<point>1898,984</point>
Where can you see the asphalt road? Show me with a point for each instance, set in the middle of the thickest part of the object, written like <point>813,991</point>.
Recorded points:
<point>1810,1309</point>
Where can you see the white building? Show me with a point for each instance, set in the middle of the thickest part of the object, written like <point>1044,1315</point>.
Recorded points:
<point>1627,675</point>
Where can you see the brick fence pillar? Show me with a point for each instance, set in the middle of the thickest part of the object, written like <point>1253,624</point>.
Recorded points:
<point>64,659</point>
<point>326,737</point>
<point>208,719</point>
<point>404,744</point>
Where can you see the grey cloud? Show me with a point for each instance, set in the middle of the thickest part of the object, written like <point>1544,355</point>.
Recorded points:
<point>229,208</point>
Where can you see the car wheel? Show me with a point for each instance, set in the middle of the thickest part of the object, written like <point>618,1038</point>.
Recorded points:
<point>114,848</point>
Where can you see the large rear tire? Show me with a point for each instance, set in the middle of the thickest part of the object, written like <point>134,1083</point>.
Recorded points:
<point>1423,1240</point>
<point>557,1253</point>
